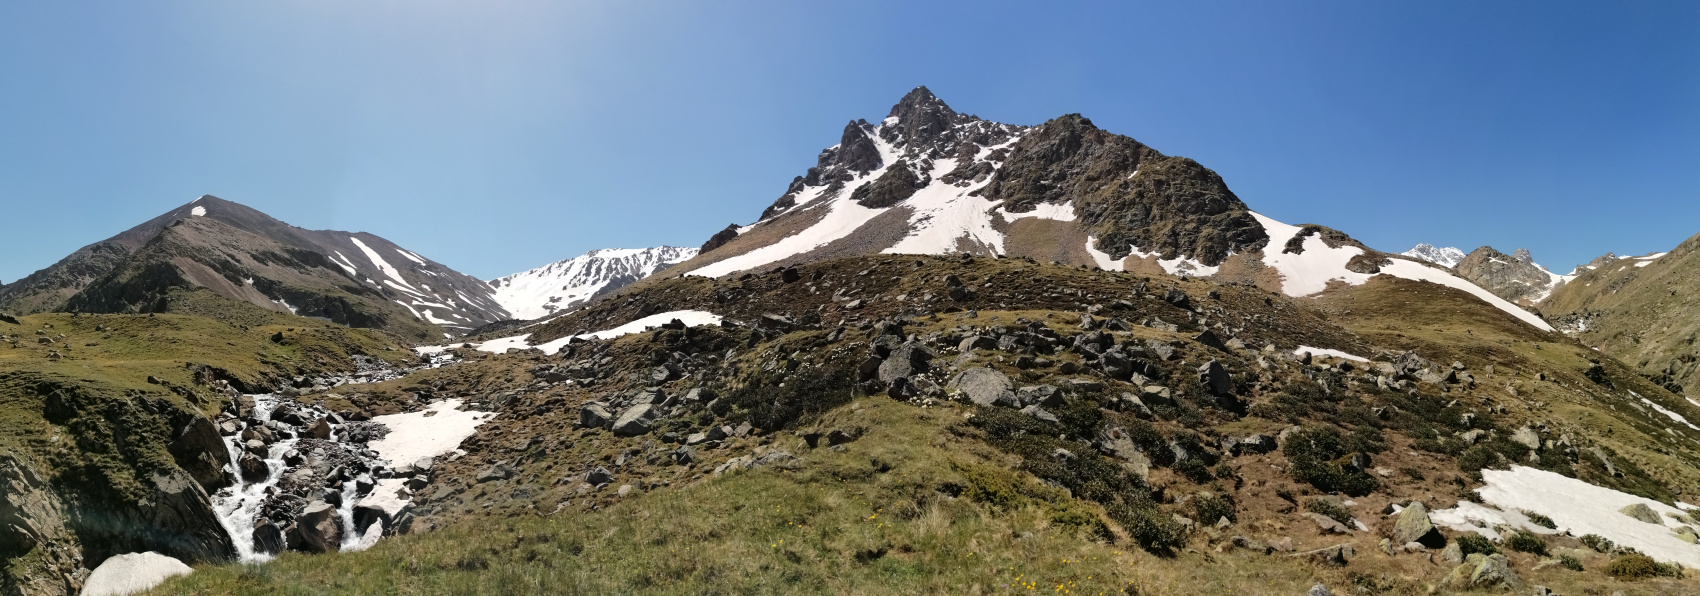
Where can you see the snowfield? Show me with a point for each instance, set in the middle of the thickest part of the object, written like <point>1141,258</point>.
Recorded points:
<point>1574,506</point>
<point>693,318</point>
<point>433,431</point>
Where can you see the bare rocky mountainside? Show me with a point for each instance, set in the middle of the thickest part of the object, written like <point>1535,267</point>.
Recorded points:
<point>1515,277</point>
<point>237,253</point>
<point>955,356</point>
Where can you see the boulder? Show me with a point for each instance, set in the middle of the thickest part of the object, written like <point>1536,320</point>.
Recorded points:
<point>380,509</point>
<point>320,529</point>
<point>1040,413</point>
<point>1215,379</point>
<point>907,360</point>
<point>1641,512</point>
<point>986,387</point>
<point>132,573</point>
<point>268,538</point>
<point>1209,338</point>
<point>1527,437</point>
<point>1338,554</point>
<point>320,430</point>
<point>199,449</point>
<point>593,415</point>
<point>976,342</point>
<point>636,420</point>
<point>1494,572</point>
<point>599,476</point>
<point>253,469</point>
<point>1453,554</point>
<point>1043,395</point>
<point>1412,525</point>
<point>1328,525</point>
<point>1319,590</point>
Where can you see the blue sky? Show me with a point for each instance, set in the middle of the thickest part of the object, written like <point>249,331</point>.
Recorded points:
<point>498,136</point>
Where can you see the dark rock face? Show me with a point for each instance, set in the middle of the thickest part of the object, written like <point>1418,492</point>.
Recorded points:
<point>896,184</point>
<point>1172,205</point>
<point>720,238</point>
<point>33,522</point>
<point>200,450</point>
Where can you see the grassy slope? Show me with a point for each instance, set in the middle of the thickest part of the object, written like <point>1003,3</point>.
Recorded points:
<point>1443,326</point>
<point>832,525</point>
<point>1644,316</point>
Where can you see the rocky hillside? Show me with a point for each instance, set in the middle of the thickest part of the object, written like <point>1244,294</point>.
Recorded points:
<point>562,286</point>
<point>238,253</point>
<point>1639,310</point>
<point>1515,277</point>
<point>928,424</point>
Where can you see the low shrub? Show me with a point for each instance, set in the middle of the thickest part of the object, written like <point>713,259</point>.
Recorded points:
<point>1207,508</point>
<point>1597,542</point>
<point>1540,520</point>
<point>1474,543</point>
<point>1524,541</point>
<point>1330,509</point>
<point>1312,456</point>
<point>1636,566</point>
<point>1570,562</point>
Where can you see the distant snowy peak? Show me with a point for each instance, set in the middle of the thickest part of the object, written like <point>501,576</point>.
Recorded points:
<point>565,285</point>
<point>1445,257</point>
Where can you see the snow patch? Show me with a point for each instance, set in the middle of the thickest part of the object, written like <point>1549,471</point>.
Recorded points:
<point>431,432</point>
<point>693,318</point>
<point>1103,259</point>
<point>1661,409</point>
<point>383,265</point>
<point>1574,506</point>
<point>1329,353</point>
<point>198,211</point>
<point>1307,273</point>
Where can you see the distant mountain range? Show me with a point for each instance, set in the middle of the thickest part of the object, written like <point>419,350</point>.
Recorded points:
<point>562,286</point>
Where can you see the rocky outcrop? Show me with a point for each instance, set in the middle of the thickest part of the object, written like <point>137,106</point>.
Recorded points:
<point>1127,194</point>
<point>1513,277</point>
<point>200,451</point>
<point>720,238</point>
<point>33,533</point>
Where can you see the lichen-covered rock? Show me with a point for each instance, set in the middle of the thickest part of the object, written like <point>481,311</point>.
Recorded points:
<point>1641,512</point>
<point>1412,525</point>
<point>986,387</point>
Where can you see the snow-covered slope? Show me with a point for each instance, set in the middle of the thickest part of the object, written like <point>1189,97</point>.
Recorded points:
<point>1445,257</point>
<point>561,286</point>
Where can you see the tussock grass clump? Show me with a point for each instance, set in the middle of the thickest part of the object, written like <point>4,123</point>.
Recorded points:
<point>1209,507</point>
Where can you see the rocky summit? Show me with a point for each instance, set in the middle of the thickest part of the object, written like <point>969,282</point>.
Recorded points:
<point>954,356</point>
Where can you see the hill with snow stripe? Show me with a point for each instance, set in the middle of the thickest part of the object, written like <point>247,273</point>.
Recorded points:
<point>561,286</point>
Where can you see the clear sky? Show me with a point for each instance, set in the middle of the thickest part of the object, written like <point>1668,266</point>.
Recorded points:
<point>498,136</point>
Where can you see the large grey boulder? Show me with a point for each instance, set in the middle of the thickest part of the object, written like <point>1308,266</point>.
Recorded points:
<point>986,387</point>
<point>1641,512</point>
<point>1413,525</point>
<point>319,528</point>
<point>907,360</point>
<point>132,573</point>
<point>636,420</point>
<point>268,538</point>
<point>593,415</point>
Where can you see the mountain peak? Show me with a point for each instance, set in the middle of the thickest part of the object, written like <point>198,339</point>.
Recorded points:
<point>1445,257</point>
<point>920,118</point>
